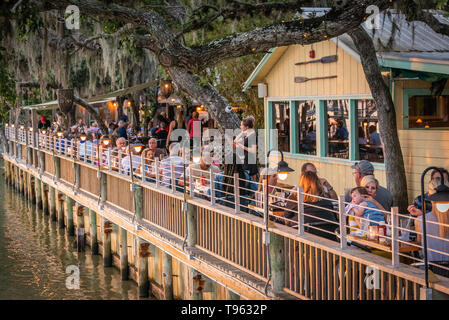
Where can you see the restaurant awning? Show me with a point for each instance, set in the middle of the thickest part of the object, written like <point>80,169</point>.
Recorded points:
<point>94,100</point>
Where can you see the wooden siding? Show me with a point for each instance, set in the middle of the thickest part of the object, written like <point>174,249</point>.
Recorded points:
<point>165,211</point>
<point>67,171</point>
<point>89,181</point>
<point>49,164</point>
<point>351,79</point>
<point>234,240</point>
<point>118,193</point>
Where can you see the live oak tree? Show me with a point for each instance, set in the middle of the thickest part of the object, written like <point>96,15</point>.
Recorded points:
<point>171,29</point>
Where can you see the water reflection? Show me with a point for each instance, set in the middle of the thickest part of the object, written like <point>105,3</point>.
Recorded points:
<point>35,252</point>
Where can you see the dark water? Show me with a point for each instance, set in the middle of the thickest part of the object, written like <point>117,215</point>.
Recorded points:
<point>34,255</point>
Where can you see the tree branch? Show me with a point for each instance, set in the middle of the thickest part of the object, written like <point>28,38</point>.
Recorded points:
<point>93,112</point>
<point>433,23</point>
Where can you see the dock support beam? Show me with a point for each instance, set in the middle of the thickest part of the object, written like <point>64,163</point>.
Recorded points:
<point>191,225</point>
<point>32,189</point>
<point>52,202</point>
<point>80,235</point>
<point>69,211</point>
<point>60,209</point>
<point>93,232</point>
<point>21,182</point>
<point>142,268</point>
<point>107,254</point>
<point>124,269</point>
<point>197,284</point>
<point>57,162</point>
<point>167,276</point>
<point>44,199</point>
<point>38,187</point>
<point>277,259</point>
<point>41,156</point>
<point>29,156</point>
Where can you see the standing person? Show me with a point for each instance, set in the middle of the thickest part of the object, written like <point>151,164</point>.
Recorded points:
<point>249,147</point>
<point>161,135</point>
<point>173,126</point>
<point>190,127</point>
<point>80,126</point>
<point>122,129</point>
<point>44,124</point>
<point>365,168</point>
<point>328,189</point>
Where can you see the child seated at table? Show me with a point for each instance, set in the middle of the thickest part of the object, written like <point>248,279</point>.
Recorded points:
<point>360,207</point>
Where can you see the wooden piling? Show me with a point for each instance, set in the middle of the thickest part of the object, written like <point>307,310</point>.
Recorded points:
<point>60,210</point>
<point>167,276</point>
<point>142,269</point>
<point>77,176</point>
<point>191,225</point>
<point>80,232</point>
<point>107,254</point>
<point>20,189</point>
<point>7,172</point>
<point>52,202</point>
<point>57,163</point>
<point>38,188</point>
<point>93,232</point>
<point>277,259</point>
<point>41,156</point>
<point>197,284</point>
<point>32,189</point>
<point>69,212</point>
<point>124,269</point>
<point>29,155</point>
<point>45,199</point>
<point>103,187</point>
<point>138,201</point>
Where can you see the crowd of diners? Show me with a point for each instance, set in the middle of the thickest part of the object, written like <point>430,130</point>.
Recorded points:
<point>366,202</point>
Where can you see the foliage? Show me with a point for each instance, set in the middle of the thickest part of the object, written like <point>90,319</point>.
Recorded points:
<point>79,77</point>
<point>8,94</point>
<point>29,21</point>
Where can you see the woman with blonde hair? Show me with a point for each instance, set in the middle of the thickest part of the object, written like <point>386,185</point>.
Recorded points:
<point>319,216</point>
<point>371,185</point>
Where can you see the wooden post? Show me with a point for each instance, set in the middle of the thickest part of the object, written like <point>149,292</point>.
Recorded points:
<point>277,259</point>
<point>7,172</point>
<point>237,193</point>
<point>167,276</point>
<point>52,202</point>
<point>341,210</point>
<point>57,162</point>
<point>197,284</point>
<point>142,268</point>
<point>191,224</point>
<point>77,175</point>
<point>38,187</point>
<point>103,187</point>
<point>394,237</point>
<point>80,232</point>
<point>21,187</point>
<point>29,155</point>
<point>45,199</point>
<point>60,210</point>
<point>138,201</point>
<point>93,232</point>
<point>107,254</point>
<point>41,156</point>
<point>33,196</point>
<point>124,269</point>
<point>69,210</point>
<point>233,296</point>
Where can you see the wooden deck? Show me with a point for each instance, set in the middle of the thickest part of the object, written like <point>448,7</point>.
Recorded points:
<point>229,246</point>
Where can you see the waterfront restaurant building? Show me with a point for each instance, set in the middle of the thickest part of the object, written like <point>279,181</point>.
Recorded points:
<point>333,122</point>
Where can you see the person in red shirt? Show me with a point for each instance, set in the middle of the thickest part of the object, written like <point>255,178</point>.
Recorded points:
<point>195,116</point>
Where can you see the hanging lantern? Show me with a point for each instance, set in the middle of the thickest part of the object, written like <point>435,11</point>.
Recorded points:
<point>129,103</point>
<point>178,106</point>
<point>419,120</point>
<point>115,104</point>
<point>166,87</point>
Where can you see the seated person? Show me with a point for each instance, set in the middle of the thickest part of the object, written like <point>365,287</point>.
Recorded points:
<point>201,169</point>
<point>355,209</point>
<point>328,189</point>
<point>153,151</point>
<point>136,161</point>
<point>319,208</point>
<point>437,230</point>
<point>274,194</point>
<point>178,165</point>
<point>120,147</point>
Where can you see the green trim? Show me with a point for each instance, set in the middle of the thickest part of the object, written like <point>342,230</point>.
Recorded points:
<point>270,125</point>
<point>353,131</point>
<point>408,93</point>
<point>258,68</point>
<point>414,65</point>
<point>294,141</point>
<point>322,123</point>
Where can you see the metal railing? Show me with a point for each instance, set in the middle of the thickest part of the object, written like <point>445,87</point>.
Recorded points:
<point>225,230</point>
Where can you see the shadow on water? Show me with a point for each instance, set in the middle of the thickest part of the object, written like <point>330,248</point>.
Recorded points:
<point>35,252</point>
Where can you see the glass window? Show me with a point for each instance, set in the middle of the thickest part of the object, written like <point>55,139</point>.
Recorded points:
<point>281,122</point>
<point>306,127</point>
<point>369,142</point>
<point>428,112</point>
<point>338,124</point>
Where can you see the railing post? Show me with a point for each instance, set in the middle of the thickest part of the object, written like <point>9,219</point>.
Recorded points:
<point>191,224</point>
<point>192,187</point>
<point>172,173</point>
<point>341,211</point>
<point>394,237</point>
<point>212,186</point>
<point>277,259</point>
<point>142,166</point>
<point>103,187</point>
<point>237,193</point>
<point>300,211</point>
<point>156,168</point>
<point>120,162</point>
